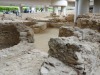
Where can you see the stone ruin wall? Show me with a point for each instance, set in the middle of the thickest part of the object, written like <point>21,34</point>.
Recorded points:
<point>81,34</point>
<point>9,35</point>
<point>13,33</point>
<point>89,21</point>
<point>77,48</point>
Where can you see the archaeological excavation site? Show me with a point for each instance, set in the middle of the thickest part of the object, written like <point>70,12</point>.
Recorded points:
<point>50,37</point>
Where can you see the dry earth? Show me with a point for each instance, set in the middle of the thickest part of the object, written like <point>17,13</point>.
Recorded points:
<point>41,39</point>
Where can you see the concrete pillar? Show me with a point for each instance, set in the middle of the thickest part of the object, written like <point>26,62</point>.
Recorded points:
<point>21,9</point>
<point>83,6</point>
<point>59,3</point>
<point>96,8</point>
<point>76,10</point>
<point>55,10</point>
<point>63,10</point>
<point>46,9</point>
<point>30,8</point>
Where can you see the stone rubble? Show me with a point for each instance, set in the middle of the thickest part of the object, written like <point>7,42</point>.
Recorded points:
<point>75,52</point>
<point>69,18</point>
<point>39,27</point>
<point>89,21</point>
<point>21,59</point>
<point>82,34</point>
<point>82,56</point>
<point>52,66</point>
<point>76,48</point>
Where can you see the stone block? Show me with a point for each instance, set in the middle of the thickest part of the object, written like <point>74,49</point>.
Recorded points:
<point>82,56</point>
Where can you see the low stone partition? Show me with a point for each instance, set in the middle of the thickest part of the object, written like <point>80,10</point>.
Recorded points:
<point>81,34</point>
<point>53,15</point>
<point>56,25</point>
<point>86,21</point>
<point>12,33</point>
<point>84,16</point>
<point>39,27</point>
<point>56,22</point>
<point>30,20</point>
<point>60,21</point>
<point>65,31</point>
<point>69,18</point>
<point>28,23</point>
<point>38,15</point>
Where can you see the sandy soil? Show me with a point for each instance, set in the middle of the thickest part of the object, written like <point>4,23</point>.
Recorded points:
<point>21,59</point>
<point>41,39</point>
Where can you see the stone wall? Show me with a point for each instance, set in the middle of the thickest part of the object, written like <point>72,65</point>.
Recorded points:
<point>78,49</point>
<point>86,21</point>
<point>82,56</point>
<point>12,33</point>
<point>81,34</point>
<point>9,35</point>
<point>65,31</point>
<point>70,18</point>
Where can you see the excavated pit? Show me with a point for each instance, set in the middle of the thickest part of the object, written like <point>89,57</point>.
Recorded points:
<point>11,33</point>
<point>9,36</point>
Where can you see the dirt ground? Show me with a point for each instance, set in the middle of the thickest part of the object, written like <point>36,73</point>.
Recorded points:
<point>41,39</point>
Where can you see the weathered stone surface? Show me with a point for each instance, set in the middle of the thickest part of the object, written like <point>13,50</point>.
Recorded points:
<point>21,59</point>
<point>82,34</point>
<point>39,27</point>
<point>56,22</point>
<point>9,36</point>
<point>92,22</point>
<point>70,18</point>
<point>56,25</point>
<point>82,56</point>
<point>83,16</point>
<point>36,30</point>
<point>31,21</point>
<point>62,51</point>
<point>26,33</point>
<point>54,15</point>
<point>66,31</point>
<point>12,33</point>
<point>52,66</point>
